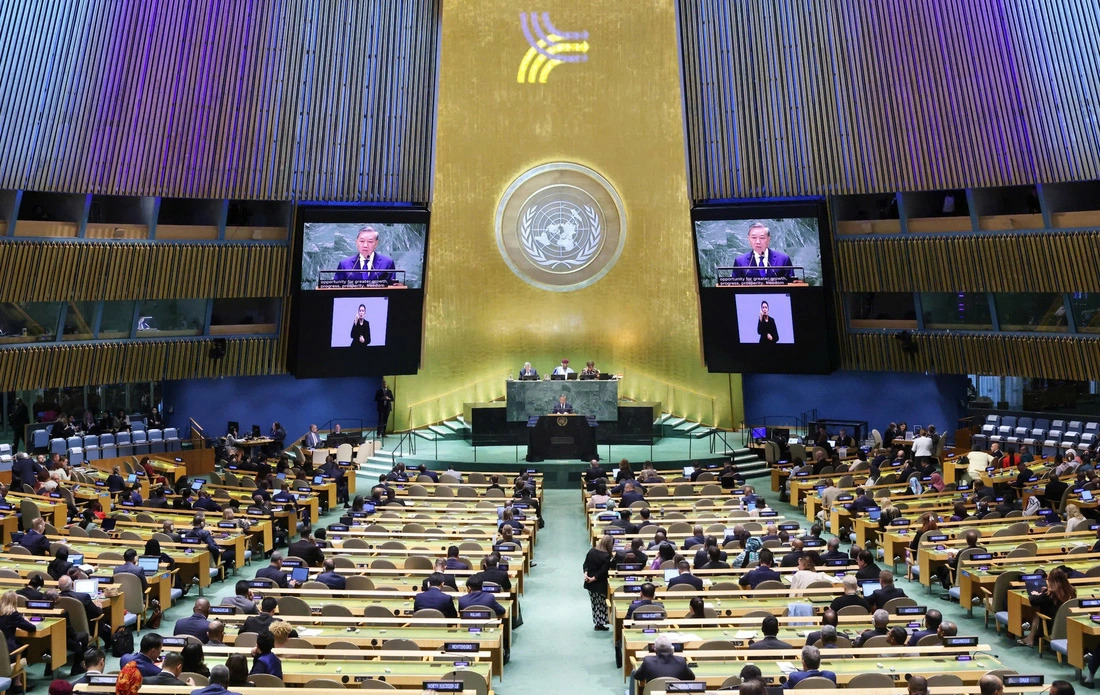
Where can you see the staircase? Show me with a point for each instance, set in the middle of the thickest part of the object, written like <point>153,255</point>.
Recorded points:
<point>747,461</point>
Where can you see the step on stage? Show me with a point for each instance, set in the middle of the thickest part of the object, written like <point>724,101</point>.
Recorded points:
<point>666,448</point>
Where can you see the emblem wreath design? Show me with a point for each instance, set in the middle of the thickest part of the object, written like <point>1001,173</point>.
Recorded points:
<point>535,252</point>
<point>560,226</point>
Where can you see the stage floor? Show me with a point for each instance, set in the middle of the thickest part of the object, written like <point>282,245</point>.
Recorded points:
<point>670,449</point>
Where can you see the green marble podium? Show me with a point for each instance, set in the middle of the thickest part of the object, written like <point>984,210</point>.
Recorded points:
<point>527,399</point>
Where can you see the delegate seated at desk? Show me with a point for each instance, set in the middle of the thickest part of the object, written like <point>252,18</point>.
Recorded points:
<point>562,370</point>
<point>528,372</point>
<point>562,406</point>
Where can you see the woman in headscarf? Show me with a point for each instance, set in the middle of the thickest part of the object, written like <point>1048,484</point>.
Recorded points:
<point>936,483</point>
<point>129,680</point>
<point>750,552</point>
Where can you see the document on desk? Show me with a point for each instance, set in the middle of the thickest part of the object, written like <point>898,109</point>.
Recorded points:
<point>745,634</point>
<point>786,666</point>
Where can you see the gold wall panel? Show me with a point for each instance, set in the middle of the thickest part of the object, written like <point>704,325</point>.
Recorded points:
<point>1030,262</point>
<point>107,363</point>
<point>127,270</point>
<point>620,114</point>
<point>1039,356</point>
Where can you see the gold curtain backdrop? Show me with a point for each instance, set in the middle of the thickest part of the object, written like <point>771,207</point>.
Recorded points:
<point>618,113</point>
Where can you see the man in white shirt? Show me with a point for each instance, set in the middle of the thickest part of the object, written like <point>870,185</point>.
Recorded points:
<point>563,369</point>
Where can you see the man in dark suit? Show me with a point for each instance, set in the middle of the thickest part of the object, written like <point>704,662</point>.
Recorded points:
<point>763,572</point>
<point>219,680</point>
<point>262,622</point>
<point>663,663</point>
<point>623,522</point>
<point>157,498</point>
<point>242,599</point>
<point>206,502</point>
<point>476,597</point>
<point>170,670</point>
<point>562,406</point>
<point>702,555</point>
<point>383,403</point>
<point>94,661</point>
<point>861,503</point>
<point>827,618</point>
<point>91,609</point>
<point>306,548</point>
<point>879,619</point>
<point>646,599</point>
<point>198,623</point>
<point>697,538</point>
<point>198,530</point>
<point>811,662</point>
<point>932,620</point>
<point>35,540</point>
<point>761,261</point>
<point>274,572</point>
<point>593,473</point>
<point>313,438</point>
<point>834,552</point>
<point>770,627</point>
<point>529,372</point>
<point>868,568</point>
<point>685,577</point>
<point>435,598</point>
<point>791,559</point>
<point>115,482</point>
<point>879,597</point>
<point>26,469</point>
<point>491,572</point>
<point>32,591</point>
<point>368,262</point>
<point>631,494</point>
<point>146,659</point>
<point>129,566</point>
<point>330,578</point>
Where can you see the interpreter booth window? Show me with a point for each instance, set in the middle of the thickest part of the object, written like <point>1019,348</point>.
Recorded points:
<point>117,320</point>
<point>171,318</point>
<point>957,311</point>
<point>79,321</point>
<point>1031,311</point>
<point>28,322</point>
<point>881,310</point>
<point>1086,311</point>
<point>238,316</point>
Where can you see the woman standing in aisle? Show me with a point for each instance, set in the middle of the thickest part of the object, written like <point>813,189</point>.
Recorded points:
<point>597,564</point>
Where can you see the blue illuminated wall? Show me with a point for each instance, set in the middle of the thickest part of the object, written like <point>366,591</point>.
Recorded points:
<point>262,400</point>
<point>877,397</point>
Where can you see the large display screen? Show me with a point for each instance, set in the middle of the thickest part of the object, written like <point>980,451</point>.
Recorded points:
<point>763,283</point>
<point>367,253</point>
<point>359,306</point>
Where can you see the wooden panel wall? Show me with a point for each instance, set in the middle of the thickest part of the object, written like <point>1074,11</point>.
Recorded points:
<point>814,97</point>
<point>1048,357</point>
<point>127,362</point>
<point>60,271</point>
<point>1034,262</point>
<point>277,100</point>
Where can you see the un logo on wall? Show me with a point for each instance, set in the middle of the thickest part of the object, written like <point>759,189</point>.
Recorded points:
<point>560,226</point>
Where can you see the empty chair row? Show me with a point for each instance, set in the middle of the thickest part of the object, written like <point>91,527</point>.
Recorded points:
<point>93,447</point>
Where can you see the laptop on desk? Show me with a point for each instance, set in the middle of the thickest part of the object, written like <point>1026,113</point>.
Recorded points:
<point>149,564</point>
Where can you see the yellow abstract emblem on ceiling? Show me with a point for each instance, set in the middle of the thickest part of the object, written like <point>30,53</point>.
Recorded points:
<point>549,48</point>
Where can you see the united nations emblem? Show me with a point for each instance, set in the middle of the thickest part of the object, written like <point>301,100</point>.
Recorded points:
<point>560,226</point>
